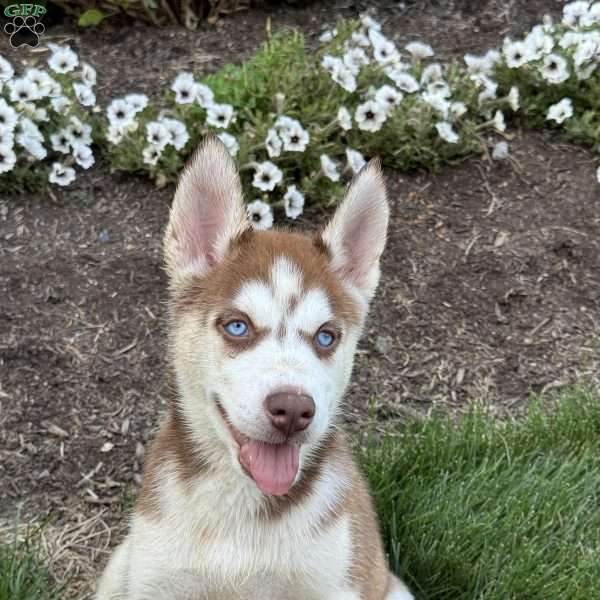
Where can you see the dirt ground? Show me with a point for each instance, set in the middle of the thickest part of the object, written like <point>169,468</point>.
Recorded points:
<point>490,288</point>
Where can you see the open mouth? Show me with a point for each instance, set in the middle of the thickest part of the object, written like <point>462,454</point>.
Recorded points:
<point>273,467</point>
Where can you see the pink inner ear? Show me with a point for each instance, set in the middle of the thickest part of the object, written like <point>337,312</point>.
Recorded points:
<point>360,243</point>
<point>207,210</point>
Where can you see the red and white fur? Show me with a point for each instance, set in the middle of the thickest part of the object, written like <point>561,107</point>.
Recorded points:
<point>235,505</point>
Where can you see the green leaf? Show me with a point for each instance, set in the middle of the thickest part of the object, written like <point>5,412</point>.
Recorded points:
<point>91,17</point>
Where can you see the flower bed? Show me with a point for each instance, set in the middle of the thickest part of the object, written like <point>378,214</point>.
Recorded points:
<point>299,124</point>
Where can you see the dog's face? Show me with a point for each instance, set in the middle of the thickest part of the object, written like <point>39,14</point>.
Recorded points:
<point>265,323</point>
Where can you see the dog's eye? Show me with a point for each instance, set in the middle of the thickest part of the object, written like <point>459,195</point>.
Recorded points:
<point>236,328</point>
<point>325,338</point>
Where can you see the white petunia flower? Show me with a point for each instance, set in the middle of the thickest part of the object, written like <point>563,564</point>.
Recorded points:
<point>457,109</point>
<point>360,39</point>
<point>586,51</point>
<point>538,43</point>
<point>23,90</point>
<point>63,60</point>
<point>513,98</point>
<point>369,22</point>
<point>8,116</point>
<point>31,138</point>
<point>295,139</point>
<point>61,174</point>
<point>446,132</point>
<point>6,70</point>
<point>204,95</point>
<point>285,123</point>
<point>354,59</point>
<point>293,202</point>
<point>326,36</point>
<point>344,77</point>
<point>431,73</point>
<point>83,156</point>
<point>331,63</point>
<point>273,144</point>
<point>88,75</point>
<point>516,54</point>
<point>499,124</point>
<point>80,132</point>
<point>356,161</point>
<point>115,134</point>
<point>61,141</point>
<point>439,88</point>
<point>260,214</point>
<point>418,50</point>
<point>60,104</point>
<point>219,115</point>
<point>151,154</point>
<point>329,168</point>
<point>137,102</point>
<point>384,51</point>
<point>7,137</point>
<point>489,89</point>
<point>43,82</point>
<point>157,134</point>
<point>8,158</point>
<point>37,113</point>
<point>482,65</point>
<point>267,176</point>
<point>406,82</point>
<point>85,95</point>
<point>437,102</point>
<point>230,142</point>
<point>388,96</point>
<point>120,112</point>
<point>500,151</point>
<point>178,133</point>
<point>560,111</point>
<point>574,11</point>
<point>344,118</point>
<point>370,116</point>
<point>554,69</point>
<point>184,87</point>
<point>592,17</point>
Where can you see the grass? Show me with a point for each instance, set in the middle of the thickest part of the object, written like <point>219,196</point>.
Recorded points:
<point>474,510</point>
<point>486,510</point>
<point>23,573</point>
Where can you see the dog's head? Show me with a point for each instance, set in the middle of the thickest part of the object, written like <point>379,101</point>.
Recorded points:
<point>265,323</point>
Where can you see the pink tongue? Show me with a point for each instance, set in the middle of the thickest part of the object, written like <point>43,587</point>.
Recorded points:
<point>272,466</point>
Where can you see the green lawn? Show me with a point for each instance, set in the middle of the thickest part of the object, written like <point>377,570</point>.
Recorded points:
<point>483,510</point>
<point>23,574</point>
<point>471,511</point>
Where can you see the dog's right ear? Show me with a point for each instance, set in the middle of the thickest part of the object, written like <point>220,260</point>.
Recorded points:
<point>207,213</point>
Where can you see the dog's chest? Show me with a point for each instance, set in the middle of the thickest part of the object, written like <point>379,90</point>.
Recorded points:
<point>300,555</point>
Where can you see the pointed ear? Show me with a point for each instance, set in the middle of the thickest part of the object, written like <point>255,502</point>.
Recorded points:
<point>207,212</point>
<point>357,232</point>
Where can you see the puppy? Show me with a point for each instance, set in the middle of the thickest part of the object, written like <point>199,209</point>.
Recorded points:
<point>250,490</point>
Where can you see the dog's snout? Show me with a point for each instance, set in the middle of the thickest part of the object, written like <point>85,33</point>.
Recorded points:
<point>290,412</point>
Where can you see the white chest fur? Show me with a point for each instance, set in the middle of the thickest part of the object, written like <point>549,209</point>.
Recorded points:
<point>212,537</point>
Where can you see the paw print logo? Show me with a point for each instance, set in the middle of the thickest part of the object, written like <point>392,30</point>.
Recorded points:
<point>24,31</point>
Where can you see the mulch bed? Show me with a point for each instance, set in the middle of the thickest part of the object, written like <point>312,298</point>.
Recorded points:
<point>490,289</point>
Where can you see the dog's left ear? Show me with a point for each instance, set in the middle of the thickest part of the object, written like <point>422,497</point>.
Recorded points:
<point>207,212</point>
<point>357,232</point>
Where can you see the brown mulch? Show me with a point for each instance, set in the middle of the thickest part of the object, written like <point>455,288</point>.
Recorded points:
<point>490,288</point>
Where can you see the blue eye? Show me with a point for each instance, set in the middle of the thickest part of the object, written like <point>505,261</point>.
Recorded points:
<point>236,328</point>
<point>325,338</point>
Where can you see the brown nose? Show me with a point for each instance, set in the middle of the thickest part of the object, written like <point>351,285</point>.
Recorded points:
<point>290,412</point>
